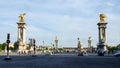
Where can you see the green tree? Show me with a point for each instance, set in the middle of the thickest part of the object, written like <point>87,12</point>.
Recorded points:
<point>28,48</point>
<point>4,45</point>
<point>11,48</point>
<point>118,47</point>
<point>60,49</point>
<point>112,48</point>
<point>0,47</point>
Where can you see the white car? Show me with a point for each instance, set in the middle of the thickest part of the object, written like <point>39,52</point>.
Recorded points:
<point>48,53</point>
<point>117,54</point>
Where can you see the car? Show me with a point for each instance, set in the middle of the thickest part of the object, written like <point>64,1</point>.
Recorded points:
<point>117,54</point>
<point>48,53</point>
<point>83,53</point>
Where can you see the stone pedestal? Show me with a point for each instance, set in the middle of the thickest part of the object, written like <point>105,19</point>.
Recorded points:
<point>22,49</point>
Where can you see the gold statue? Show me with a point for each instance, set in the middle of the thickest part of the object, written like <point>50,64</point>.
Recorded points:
<point>102,18</point>
<point>22,17</point>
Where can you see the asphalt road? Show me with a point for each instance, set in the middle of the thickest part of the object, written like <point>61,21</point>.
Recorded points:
<point>60,61</point>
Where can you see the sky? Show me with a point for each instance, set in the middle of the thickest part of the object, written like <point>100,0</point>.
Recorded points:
<point>67,19</point>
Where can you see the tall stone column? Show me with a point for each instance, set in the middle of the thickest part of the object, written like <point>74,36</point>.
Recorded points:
<point>21,34</point>
<point>102,45</point>
<point>56,43</point>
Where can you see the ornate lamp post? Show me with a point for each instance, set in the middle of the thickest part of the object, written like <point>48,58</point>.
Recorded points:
<point>8,41</point>
<point>102,45</point>
<point>56,44</point>
<point>80,47</point>
<point>22,34</point>
<point>89,44</point>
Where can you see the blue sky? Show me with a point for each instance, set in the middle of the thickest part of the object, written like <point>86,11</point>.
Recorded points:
<point>67,19</point>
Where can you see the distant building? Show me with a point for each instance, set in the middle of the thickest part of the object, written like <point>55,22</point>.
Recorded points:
<point>70,49</point>
<point>46,48</point>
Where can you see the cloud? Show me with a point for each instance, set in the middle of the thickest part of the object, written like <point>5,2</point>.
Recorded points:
<point>68,19</point>
<point>66,27</point>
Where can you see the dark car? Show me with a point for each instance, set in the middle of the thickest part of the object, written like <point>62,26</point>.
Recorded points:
<point>82,53</point>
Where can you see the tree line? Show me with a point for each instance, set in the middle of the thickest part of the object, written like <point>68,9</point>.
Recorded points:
<point>4,45</point>
<point>114,48</point>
